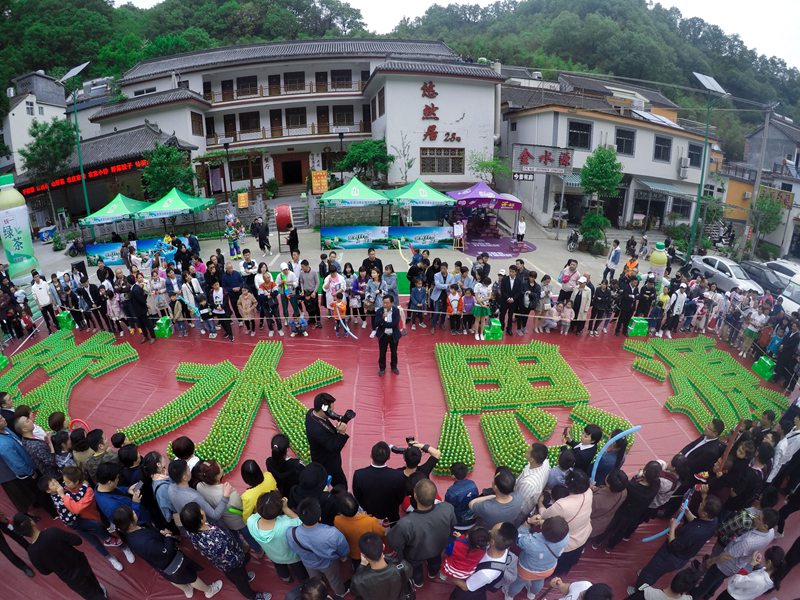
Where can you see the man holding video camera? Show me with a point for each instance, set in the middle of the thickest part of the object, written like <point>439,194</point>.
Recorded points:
<point>327,434</point>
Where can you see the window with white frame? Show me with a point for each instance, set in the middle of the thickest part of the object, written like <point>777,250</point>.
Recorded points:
<point>663,149</point>
<point>29,107</point>
<point>434,161</point>
<point>142,92</point>
<point>41,111</point>
<point>695,154</point>
<point>580,135</point>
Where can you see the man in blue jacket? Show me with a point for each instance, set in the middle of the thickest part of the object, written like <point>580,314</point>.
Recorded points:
<point>233,282</point>
<point>109,495</point>
<point>386,325</point>
<point>17,470</point>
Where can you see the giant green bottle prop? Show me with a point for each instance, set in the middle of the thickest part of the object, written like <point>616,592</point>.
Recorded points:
<point>15,230</point>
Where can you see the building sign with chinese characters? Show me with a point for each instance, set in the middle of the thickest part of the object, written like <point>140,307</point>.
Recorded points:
<point>430,113</point>
<point>786,198</point>
<point>527,160</point>
<point>319,182</point>
<point>90,174</point>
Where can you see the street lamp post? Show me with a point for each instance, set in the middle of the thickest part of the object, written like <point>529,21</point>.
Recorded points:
<point>712,87</point>
<point>341,156</point>
<point>69,75</point>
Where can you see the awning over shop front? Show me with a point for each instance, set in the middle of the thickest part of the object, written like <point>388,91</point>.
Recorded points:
<point>662,188</point>
<point>571,180</point>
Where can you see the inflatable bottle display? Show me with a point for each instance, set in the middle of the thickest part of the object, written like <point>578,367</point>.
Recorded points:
<point>15,229</point>
<point>658,263</point>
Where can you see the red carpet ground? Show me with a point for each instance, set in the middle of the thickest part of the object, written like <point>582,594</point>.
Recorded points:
<point>389,408</point>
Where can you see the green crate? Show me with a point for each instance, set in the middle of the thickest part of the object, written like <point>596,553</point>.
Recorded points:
<point>764,367</point>
<point>65,321</point>
<point>638,327</point>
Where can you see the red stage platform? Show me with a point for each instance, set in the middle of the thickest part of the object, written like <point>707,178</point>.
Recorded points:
<point>389,408</point>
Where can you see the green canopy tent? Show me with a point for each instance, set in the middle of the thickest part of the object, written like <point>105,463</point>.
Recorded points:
<point>174,203</point>
<point>352,193</point>
<point>418,193</point>
<point>121,207</point>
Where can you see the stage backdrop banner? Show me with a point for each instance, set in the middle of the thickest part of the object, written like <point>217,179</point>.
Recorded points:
<point>365,236</point>
<point>108,252</point>
<point>421,237</point>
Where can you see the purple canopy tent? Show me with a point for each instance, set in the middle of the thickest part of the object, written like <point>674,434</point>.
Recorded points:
<point>481,195</point>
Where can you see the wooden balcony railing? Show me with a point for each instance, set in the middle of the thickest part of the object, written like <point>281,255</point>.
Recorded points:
<point>279,131</point>
<point>292,89</point>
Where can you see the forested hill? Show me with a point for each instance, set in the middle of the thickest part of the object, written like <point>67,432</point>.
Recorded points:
<point>631,38</point>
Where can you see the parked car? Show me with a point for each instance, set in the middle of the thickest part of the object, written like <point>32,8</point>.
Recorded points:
<point>791,296</point>
<point>784,269</point>
<point>763,276</point>
<point>726,273</point>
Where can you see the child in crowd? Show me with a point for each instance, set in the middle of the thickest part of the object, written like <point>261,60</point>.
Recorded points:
<point>118,440</point>
<point>114,311</point>
<point>655,317</point>
<point>339,310</point>
<point>311,306</point>
<point>567,315</point>
<point>468,304</point>
<point>552,316</point>
<point>205,317</point>
<point>465,552</point>
<point>247,305</point>
<point>176,310</point>
<point>460,494</point>
<point>417,303</point>
<point>57,421</point>
<point>390,279</point>
<point>298,327</point>
<point>700,317</point>
<point>323,266</point>
<point>482,310</point>
<point>183,447</point>
<point>63,449</point>
<point>455,307</point>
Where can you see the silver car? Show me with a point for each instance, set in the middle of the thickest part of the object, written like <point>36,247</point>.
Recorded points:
<point>726,273</point>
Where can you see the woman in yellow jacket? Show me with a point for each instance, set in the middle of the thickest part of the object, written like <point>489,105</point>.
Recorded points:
<point>247,305</point>
<point>259,482</point>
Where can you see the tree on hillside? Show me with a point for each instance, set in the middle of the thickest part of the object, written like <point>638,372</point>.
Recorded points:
<point>602,172</point>
<point>168,167</point>
<point>47,156</point>
<point>367,160</point>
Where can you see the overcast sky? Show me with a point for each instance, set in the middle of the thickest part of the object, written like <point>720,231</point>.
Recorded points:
<point>769,25</point>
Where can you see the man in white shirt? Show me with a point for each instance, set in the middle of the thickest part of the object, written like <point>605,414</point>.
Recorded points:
<point>582,590</point>
<point>785,450</point>
<point>41,292</point>
<point>498,566</point>
<point>532,480</point>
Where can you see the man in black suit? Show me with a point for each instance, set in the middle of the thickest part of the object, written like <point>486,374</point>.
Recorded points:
<point>378,488</point>
<point>104,273</point>
<point>386,325</point>
<point>90,294</point>
<point>326,438</point>
<point>784,366</point>
<point>704,452</point>
<point>139,309</point>
<point>7,409</point>
<point>511,290</point>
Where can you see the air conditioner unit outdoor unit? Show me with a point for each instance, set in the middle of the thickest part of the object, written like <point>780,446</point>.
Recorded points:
<point>683,173</point>
<point>748,195</point>
<point>684,162</point>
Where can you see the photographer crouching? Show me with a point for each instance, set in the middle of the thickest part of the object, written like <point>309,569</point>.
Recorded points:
<point>326,431</point>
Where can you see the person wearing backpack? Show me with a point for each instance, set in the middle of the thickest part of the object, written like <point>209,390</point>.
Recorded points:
<point>379,576</point>
<point>498,567</point>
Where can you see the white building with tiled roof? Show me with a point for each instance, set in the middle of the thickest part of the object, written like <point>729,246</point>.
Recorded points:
<point>299,102</point>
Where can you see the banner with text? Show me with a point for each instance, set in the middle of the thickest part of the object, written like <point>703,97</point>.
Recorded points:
<point>357,236</point>
<point>527,159</point>
<point>421,237</point>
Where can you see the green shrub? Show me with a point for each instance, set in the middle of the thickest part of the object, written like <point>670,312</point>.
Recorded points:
<point>598,248</point>
<point>58,242</point>
<point>593,227</point>
<point>767,251</point>
<point>272,187</point>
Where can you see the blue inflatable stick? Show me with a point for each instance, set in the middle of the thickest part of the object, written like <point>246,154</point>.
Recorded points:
<point>684,506</point>
<point>608,444</point>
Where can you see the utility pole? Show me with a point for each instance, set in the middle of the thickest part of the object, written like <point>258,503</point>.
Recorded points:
<point>757,183</point>
<point>690,247</point>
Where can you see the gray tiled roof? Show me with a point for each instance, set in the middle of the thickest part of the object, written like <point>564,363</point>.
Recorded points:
<point>440,68</point>
<point>518,98</point>
<point>125,144</point>
<point>789,130</point>
<point>148,101</point>
<point>514,71</point>
<point>280,51</point>
<point>600,86</point>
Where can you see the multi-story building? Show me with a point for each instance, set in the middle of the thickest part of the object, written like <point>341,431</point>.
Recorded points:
<point>33,96</point>
<point>661,154</point>
<point>301,103</point>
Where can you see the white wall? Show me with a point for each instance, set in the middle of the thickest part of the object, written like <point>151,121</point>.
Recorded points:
<point>466,107</point>
<point>18,122</point>
<point>550,128</point>
<point>171,119</point>
<point>87,128</point>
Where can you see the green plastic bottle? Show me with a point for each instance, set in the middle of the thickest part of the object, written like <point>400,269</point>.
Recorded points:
<point>15,230</point>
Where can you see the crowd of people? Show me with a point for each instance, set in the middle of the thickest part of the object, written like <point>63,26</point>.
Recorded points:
<point>380,534</point>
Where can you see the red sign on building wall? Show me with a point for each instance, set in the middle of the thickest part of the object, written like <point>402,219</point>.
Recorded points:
<point>90,174</point>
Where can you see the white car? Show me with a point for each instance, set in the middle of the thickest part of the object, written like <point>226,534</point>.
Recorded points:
<point>786,270</point>
<point>726,273</point>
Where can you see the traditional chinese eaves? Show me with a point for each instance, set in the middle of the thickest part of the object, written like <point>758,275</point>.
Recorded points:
<point>148,101</point>
<point>447,69</point>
